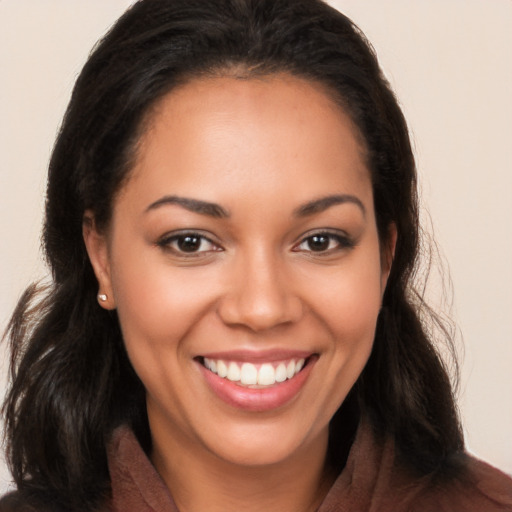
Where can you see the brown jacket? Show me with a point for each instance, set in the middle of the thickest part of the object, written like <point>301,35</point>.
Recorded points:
<point>371,481</point>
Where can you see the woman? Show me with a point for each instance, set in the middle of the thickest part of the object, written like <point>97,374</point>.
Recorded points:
<point>232,229</point>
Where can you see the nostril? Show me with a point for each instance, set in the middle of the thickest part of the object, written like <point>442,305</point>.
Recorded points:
<point>260,311</point>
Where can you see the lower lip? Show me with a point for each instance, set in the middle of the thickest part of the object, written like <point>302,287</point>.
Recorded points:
<point>257,400</point>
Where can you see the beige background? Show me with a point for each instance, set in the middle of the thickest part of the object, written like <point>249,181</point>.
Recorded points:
<point>450,62</point>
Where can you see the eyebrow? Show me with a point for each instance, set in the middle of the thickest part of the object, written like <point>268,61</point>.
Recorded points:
<point>323,203</point>
<point>217,211</point>
<point>192,205</point>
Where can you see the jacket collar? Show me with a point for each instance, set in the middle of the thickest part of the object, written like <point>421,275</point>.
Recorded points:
<point>363,483</point>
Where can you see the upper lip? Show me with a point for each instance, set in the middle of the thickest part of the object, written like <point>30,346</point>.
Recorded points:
<point>258,356</point>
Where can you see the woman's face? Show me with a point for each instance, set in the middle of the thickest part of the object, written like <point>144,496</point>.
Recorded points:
<point>244,263</point>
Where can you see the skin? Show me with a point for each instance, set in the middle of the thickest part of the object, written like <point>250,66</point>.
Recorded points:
<point>261,149</point>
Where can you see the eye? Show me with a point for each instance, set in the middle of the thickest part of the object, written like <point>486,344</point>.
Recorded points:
<point>324,242</point>
<point>188,244</point>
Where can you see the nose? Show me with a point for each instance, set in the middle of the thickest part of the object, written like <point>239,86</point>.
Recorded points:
<point>260,296</point>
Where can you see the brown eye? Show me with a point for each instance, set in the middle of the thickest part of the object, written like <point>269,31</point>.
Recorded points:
<point>189,243</point>
<point>318,242</point>
<point>324,243</point>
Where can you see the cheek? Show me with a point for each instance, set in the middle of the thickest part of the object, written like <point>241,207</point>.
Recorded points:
<point>349,298</point>
<point>158,304</point>
<point>348,306</point>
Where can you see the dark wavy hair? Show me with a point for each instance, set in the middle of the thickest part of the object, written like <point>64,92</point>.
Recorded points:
<point>72,383</point>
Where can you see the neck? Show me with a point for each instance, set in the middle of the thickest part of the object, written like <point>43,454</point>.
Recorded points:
<point>199,480</point>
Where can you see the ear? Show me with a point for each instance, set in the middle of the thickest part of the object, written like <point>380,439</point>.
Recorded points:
<point>96,244</point>
<point>387,255</point>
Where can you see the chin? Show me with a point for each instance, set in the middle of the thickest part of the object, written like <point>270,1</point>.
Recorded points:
<point>264,445</point>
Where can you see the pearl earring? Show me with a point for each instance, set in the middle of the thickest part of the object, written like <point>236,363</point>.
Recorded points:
<point>102,297</point>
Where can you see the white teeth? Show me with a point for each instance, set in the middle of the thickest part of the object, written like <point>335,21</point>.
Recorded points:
<point>266,375</point>
<point>290,369</point>
<point>222,369</point>
<point>233,372</point>
<point>281,373</point>
<point>249,374</point>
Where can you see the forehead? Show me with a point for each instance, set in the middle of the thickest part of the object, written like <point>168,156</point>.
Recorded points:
<point>225,135</point>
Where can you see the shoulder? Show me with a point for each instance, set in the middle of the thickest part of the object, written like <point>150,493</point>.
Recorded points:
<point>478,487</point>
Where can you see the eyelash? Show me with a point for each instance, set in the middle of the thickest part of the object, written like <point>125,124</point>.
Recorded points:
<point>340,242</point>
<point>171,243</point>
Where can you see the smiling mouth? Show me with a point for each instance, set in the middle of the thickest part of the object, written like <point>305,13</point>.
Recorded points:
<point>255,376</point>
